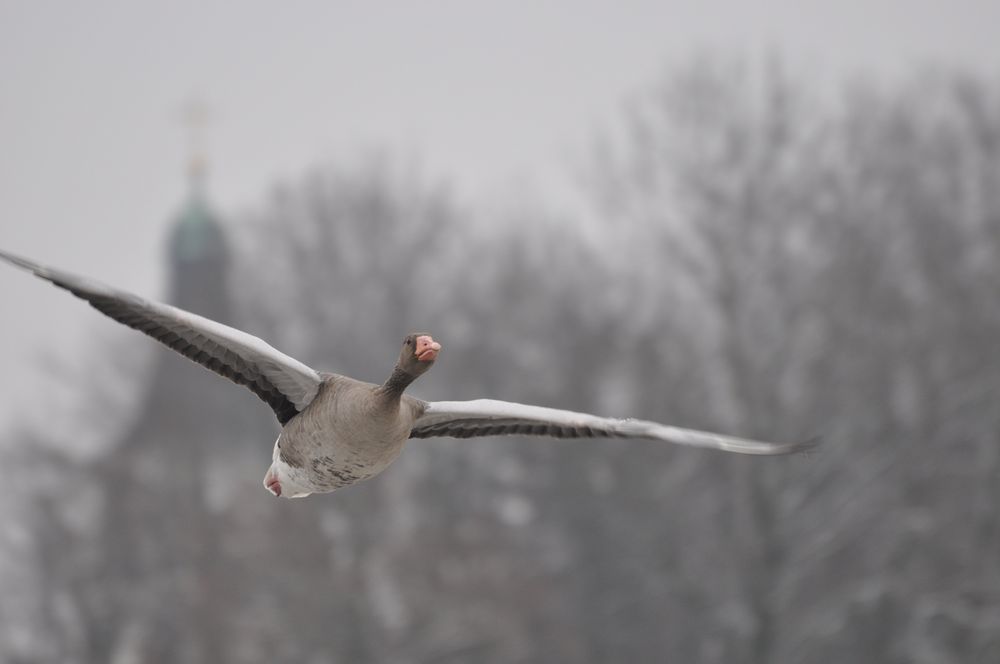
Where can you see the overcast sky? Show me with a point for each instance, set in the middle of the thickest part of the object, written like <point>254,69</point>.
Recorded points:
<point>491,96</point>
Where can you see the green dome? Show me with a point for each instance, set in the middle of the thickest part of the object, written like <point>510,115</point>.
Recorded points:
<point>197,234</point>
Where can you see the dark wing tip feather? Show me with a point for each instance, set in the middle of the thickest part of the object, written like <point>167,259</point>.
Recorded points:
<point>23,263</point>
<point>808,447</point>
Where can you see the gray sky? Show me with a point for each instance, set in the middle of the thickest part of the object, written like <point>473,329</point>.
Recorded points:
<point>489,95</point>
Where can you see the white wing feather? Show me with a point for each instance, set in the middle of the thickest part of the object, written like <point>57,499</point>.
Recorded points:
<point>488,417</point>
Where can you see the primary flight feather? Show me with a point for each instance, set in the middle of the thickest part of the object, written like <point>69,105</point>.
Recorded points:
<point>337,431</point>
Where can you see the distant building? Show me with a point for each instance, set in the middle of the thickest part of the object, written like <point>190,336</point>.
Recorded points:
<point>197,446</point>
<point>188,413</point>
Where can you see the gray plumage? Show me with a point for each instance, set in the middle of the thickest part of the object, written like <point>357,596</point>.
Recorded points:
<point>338,431</point>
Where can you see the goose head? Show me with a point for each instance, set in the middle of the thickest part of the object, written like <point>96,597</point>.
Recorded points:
<point>418,353</point>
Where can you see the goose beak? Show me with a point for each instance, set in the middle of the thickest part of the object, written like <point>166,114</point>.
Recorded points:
<point>427,348</point>
<point>272,484</point>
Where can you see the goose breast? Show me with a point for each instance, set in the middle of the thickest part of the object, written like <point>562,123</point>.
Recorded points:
<point>346,435</point>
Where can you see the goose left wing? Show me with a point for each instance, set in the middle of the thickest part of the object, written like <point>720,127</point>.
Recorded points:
<point>284,383</point>
<point>488,417</point>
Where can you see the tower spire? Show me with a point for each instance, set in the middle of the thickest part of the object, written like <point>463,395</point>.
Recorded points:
<point>197,236</point>
<point>195,117</point>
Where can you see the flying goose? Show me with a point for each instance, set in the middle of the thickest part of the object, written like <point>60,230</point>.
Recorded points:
<point>337,431</point>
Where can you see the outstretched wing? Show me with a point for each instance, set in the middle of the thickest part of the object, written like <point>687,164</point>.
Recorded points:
<point>284,383</point>
<point>487,417</point>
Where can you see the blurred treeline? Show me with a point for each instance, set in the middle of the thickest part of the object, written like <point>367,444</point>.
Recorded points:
<point>771,258</point>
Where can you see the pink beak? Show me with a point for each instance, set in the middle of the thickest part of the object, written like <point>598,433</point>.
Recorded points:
<point>272,484</point>
<point>427,348</point>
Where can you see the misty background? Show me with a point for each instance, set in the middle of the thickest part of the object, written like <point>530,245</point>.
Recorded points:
<point>769,222</point>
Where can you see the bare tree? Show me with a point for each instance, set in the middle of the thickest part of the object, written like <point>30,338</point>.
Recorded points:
<point>833,250</point>
<point>775,260</point>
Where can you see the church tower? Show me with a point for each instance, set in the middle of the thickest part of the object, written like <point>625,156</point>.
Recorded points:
<point>196,450</point>
<point>198,254</point>
<point>198,266</point>
<point>181,398</point>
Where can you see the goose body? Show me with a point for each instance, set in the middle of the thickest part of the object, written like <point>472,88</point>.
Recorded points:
<point>351,431</point>
<point>336,430</point>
